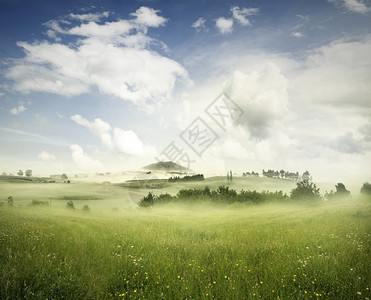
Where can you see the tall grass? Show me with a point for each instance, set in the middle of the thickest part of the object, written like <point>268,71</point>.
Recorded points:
<point>257,252</point>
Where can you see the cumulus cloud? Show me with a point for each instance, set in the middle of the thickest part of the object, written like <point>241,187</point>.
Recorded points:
<point>148,17</point>
<point>263,97</point>
<point>116,57</point>
<point>46,156</point>
<point>117,139</point>
<point>83,160</point>
<point>241,14</point>
<point>224,25</point>
<point>199,24</point>
<point>18,110</point>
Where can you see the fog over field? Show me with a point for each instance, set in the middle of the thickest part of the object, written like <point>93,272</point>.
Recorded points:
<point>155,149</point>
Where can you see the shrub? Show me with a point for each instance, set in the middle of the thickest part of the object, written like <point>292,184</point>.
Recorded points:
<point>70,205</point>
<point>10,201</point>
<point>86,208</point>
<point>39,203</point>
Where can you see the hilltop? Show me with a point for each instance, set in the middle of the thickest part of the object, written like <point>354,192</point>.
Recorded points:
<point>167,166</point>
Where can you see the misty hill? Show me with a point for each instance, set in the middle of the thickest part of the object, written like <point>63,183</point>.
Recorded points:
<point>168,166</point>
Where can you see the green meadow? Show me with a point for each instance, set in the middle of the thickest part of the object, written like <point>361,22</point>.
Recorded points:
<point>270,251</point>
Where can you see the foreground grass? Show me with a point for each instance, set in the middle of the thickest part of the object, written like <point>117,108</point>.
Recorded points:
<point>257,252</point>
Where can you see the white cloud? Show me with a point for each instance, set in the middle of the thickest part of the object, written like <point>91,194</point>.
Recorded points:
<point>224,25</point>
<point>297,34</point>
<point>114,56</point>
<point>120,141</point>
<point>83,160</point>
<point>1,94</point>
<point>98,127</point>
<point>148,17</point>
<point>46,156</point>
<point>241,14</point>
<point>127,141</point>
<point>199,24</point>
<point>18,110</point>
<point>356,6</point>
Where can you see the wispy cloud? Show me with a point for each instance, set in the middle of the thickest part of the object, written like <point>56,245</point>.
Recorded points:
<point>297,34</point>
<point>12,130</point>
<point>18,110</point>
<point>241,14</point>
<point>199,24</point>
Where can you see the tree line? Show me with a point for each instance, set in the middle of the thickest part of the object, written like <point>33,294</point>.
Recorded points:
<point>197,177</point>
<point>305,191</point>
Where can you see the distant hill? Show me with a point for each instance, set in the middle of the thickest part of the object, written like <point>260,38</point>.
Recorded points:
<point>167,166</point>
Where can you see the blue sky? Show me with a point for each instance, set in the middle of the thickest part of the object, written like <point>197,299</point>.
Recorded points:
<point>107,86</point>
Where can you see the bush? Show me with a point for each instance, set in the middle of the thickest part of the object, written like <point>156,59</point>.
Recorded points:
<point>10,201</point>
<point>305,190</point>
<point>39,203</point>
<point>86,208</point>
<point>70,205</point>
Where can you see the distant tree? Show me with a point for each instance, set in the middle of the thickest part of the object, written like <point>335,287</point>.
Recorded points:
<point>4,174</point>
<point>147,201</point>
<point>28,173</point>
<point>20,173</point>
<point>341,192</point>
<point>64,177</point>
<point>282,173</point>
<point>86,208</point>
<point>340,189</point>
<point>366,189</point>
<point>305,190</point>
<point>70,205</point>
<point>10,201</point>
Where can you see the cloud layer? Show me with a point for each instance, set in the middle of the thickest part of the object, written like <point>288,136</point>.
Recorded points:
<point>116,57</point>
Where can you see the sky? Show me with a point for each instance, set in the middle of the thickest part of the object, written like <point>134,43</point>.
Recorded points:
<point>109,86</point>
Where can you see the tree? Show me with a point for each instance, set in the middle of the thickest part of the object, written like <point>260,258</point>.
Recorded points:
<point>28,173</point>
<point>20,173</point>
<point>64,177</point>
<point>147,201</point>
<point>305,190</point>
<point>341,192</point>
<point>10,201</point>
<point>366,189</point>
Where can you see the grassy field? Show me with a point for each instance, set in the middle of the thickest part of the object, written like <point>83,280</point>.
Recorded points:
<point>267,252</point>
